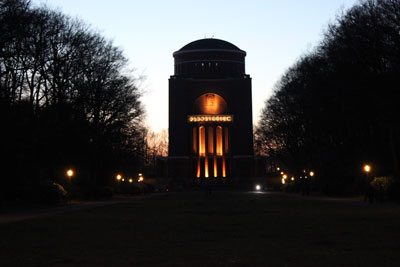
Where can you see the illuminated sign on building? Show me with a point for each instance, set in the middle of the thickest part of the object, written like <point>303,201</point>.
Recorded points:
<point>210,118</point>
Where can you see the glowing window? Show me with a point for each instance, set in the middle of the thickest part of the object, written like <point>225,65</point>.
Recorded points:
<point>219,141</point>
<point>206,167</point>
<point>223,167</point>
<point>226,140</point>
<point>210,137</point>
<point>202,141</point>
<point>198,168</point>
<point>194,140</point>
<point>215,167</point>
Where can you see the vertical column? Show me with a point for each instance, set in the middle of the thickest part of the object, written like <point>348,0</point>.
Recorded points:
<point>226,140</point>
<point>219,141</point>
<point>198,168</point>
<point>215,153</point>
<point>198,173</point>
<point>223,166</point>
<point>206,152</point>
<point>223,152</point>
<point>202,141</point>
<point>194,140</point>
<point>223,139</point>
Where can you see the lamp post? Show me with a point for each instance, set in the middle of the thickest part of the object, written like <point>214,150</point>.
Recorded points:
<point>119,179</point>
<point>369,192</point>
<point>70,173</point>
<point>367,169</point>
<point>140,178</point>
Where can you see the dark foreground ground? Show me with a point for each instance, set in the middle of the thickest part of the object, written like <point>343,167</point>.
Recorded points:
<point>224,229</point>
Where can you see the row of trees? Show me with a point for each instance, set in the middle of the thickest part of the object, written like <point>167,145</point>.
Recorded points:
<point>336,107</point>
<point>67,100</point>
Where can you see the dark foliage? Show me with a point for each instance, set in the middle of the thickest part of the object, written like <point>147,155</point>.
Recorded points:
<point>336,108</point>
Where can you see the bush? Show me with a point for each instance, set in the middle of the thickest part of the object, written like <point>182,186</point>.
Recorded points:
<point>47,192</point>
<point>381,183</point>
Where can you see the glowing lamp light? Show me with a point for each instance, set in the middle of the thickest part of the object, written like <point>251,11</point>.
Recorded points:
<point>282,173</point>
<point>70,173</point>
<point>312,173</point>
<point>258,187</point>
<point>119,177</point>
<point>283,181</point>
<point>123,180</point>
<point>130,180</point>
<point>292,178</point>
<point>284,176</point>
<point>367,168</point>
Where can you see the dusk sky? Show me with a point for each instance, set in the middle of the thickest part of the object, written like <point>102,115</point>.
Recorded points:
<point>273,33</point>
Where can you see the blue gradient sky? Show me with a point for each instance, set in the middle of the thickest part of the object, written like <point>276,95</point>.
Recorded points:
<point>273,33</point>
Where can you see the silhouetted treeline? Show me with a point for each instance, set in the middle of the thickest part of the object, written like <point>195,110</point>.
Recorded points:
<point>67,100</point>
<point>337,107</point>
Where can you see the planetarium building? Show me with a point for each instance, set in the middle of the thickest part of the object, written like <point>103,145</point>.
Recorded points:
<point>210,113</point>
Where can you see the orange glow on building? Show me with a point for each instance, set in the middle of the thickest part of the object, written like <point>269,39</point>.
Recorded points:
<point>194,140</point>
<point>198,168</point>
<point>219,141</point>
<point>206,167</point>
<point>210,139</point>
<point>202,141</point>
<point>210,104</point>
<point>226,140</point>
<point>223,167</point>
<point>215,167</point>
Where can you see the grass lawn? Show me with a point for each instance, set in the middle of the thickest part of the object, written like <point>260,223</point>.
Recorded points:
<point>225,229</point>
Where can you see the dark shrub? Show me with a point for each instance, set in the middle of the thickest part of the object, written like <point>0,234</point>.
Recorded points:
<point>47,192</point>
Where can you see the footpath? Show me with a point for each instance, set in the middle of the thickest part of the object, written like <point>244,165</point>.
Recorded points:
<point>8,215</point>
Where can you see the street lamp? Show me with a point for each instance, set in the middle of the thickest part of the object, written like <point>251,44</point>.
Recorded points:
<point>367,168</point>
<point>118,177</point>
<point>312,173</point>
<point>140,179</point>
<point>70,173</point>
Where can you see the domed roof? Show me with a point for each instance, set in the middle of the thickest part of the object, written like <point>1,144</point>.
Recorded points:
<point>209,44</point>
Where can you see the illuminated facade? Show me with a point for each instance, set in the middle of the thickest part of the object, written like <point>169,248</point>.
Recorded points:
<point>210,113</point>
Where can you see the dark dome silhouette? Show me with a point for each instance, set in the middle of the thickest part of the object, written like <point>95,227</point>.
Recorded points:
<point>212,58</point>
<point>209,44</point>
